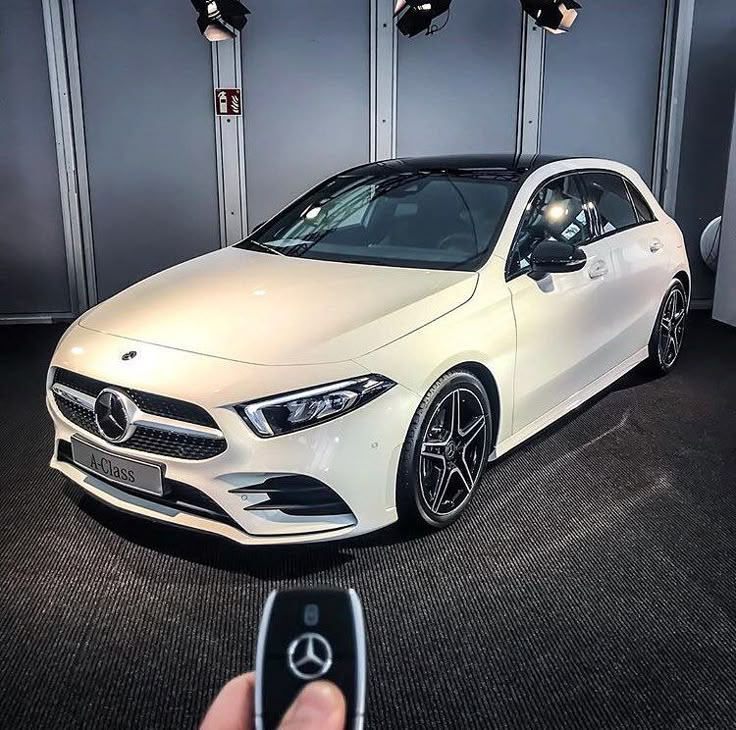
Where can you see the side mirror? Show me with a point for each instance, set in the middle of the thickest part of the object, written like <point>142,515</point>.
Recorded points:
<point>556,257</point>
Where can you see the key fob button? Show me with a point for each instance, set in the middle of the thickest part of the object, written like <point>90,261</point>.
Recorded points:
<point>281,686</point>
<point>327,613</point>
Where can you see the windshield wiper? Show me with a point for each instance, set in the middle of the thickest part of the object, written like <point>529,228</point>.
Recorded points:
<point>265,247</point>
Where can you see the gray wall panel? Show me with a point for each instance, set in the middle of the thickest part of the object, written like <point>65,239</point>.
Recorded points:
<point>458,89</point>
<point>724,301</point>
<point>306,80</point>
<point>602,83</point>
<point>33,273</point>
<point>706,129</point>
<point>148,111</point>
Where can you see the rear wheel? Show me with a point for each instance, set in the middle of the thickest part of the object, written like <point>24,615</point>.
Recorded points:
<point>445,451</point>
<point>669,330</point>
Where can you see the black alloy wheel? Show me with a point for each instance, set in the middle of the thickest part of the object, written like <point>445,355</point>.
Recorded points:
<point>669,330</point>
<point>445,452</point>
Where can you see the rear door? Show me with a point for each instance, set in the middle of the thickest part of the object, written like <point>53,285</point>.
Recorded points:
<point>565,322</point>
<point>639,256</point>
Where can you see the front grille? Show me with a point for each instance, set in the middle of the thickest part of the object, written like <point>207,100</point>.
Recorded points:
<point>182,496</point>
<point>157,405</point>
<point>77,414</point>
<point>149,440</point>
<point>296,495</point>
<point>179,410</point>
<point>178,445</point>
<point>88,386</point>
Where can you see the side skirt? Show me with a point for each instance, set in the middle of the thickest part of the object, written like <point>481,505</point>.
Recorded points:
<point>570,404</point>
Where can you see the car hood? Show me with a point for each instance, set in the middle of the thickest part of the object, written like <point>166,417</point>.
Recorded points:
<point>276,310</point>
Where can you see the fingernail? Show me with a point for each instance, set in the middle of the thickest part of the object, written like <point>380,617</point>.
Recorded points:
<point>317,701</point>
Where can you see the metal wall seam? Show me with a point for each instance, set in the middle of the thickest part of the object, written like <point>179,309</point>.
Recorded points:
<point>66,158</point>
<point>382,80</point>
<point>80,148</point>
<point>230,145</point>
<point>674,101</point>
<point>531,88</point>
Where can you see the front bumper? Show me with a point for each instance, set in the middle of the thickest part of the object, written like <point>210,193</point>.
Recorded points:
<point>356,456</point>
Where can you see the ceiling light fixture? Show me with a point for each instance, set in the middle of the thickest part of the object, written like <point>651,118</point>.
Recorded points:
<point>217,18</point>
<point>555,16</point>
<point>417,16</point>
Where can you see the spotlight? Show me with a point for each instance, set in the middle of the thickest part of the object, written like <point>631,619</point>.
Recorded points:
<point>216,15</point>
<point>555,16</point>
<point>416,16</point>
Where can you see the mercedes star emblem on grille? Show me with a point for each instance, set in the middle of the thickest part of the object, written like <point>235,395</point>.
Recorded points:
<point>113,415</point>
<point>310,656</point>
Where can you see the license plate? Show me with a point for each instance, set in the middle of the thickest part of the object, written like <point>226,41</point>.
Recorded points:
<point>119,469</point>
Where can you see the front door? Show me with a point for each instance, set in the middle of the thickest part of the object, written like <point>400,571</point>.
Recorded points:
<point>565,322</point>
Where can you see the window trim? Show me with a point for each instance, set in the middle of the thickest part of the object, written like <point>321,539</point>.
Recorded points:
<point>630,187</point>
<point>599,236</point>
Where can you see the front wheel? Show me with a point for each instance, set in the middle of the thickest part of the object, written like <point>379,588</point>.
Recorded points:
<point>445,451</point>
<point>669,330</point>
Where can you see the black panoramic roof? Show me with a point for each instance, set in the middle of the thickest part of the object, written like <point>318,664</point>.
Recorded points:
<point>507,162</point>
<point>516,165</point>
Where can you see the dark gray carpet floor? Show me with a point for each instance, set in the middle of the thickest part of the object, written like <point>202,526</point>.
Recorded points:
<point>591,585</point>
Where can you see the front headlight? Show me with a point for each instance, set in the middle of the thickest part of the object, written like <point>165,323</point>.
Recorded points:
<point>305,408</point>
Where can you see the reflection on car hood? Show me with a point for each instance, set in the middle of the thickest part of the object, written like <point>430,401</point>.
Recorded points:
<point>276,310</point>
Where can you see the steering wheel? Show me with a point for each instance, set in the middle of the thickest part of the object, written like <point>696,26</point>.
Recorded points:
<point>464,242</point>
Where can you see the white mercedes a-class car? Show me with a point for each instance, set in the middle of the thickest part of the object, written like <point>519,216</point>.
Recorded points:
<point>362,356</point>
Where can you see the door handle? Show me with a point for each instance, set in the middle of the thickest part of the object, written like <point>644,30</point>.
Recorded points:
<point>597,269</point>
<point>656,245</point>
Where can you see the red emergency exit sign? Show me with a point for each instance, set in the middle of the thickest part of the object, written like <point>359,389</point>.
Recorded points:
<point>227,102</point>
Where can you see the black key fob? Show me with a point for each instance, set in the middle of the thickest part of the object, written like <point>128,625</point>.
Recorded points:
<point>308,634</point>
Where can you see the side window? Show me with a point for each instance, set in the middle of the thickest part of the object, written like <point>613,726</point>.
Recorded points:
<point>557,212</point>
<point>642,207</point>
<point>608,194</point>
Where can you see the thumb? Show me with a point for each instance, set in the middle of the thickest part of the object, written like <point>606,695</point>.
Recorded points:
<point>319,706</point>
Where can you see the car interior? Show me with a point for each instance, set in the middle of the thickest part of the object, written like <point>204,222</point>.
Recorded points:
<point>556,213</point>
<point>436,219</point>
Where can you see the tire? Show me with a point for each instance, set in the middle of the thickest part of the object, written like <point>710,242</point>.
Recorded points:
<point>665,343</point>
<point>438,440</point>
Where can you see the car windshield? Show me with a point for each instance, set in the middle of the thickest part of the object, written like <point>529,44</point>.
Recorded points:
<point>419,219</point>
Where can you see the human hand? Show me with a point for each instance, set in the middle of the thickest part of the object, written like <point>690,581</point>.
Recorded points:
<point>319,706</point>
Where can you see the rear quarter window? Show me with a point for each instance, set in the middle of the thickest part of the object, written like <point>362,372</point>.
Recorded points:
<point>642,207</point>
<point>609,195</point>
